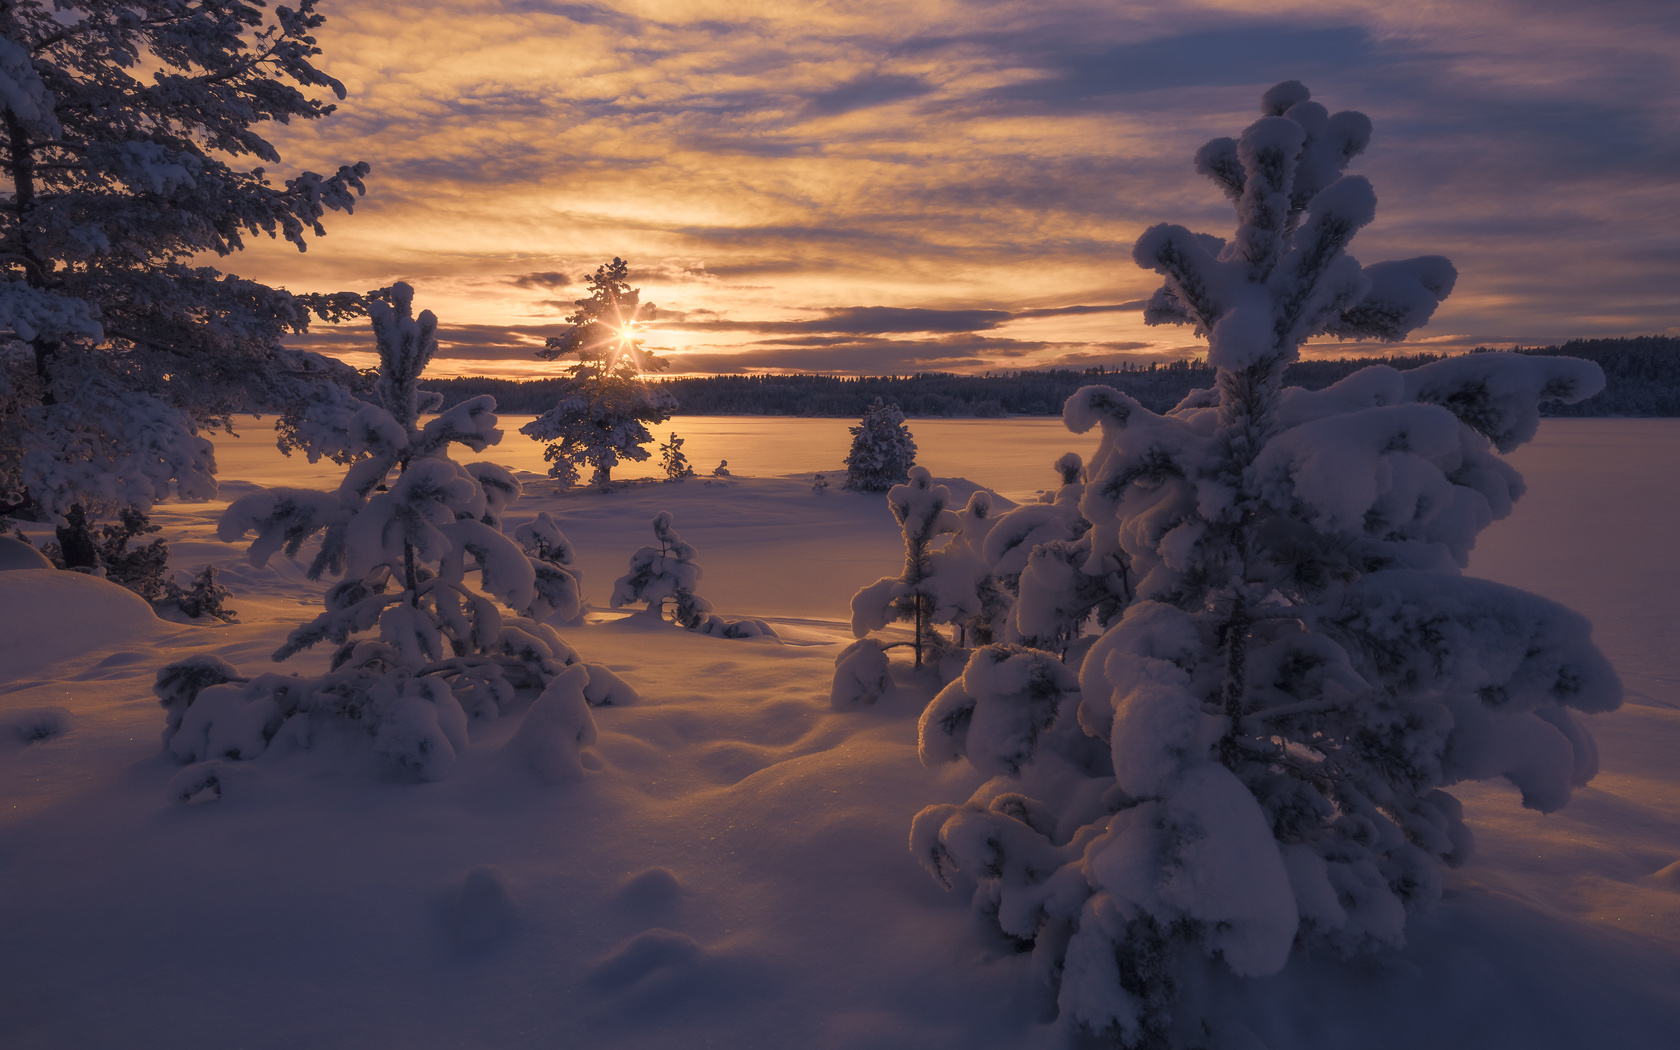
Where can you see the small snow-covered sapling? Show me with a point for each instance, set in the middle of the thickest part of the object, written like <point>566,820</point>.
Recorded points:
<point>204,598</point>
<point>673,461</point>
<point>664,574</point>
<point>665,577</point>
<point>936,586</point>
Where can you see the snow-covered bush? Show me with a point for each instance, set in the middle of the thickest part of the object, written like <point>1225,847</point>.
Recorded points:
<point>443,650</point>
<point>672,460</point>
<point>668,573</point>
<point>556,728</point>
<point>882,449</point>
<point>606,403</point>
<point>129,136</point>
<point>1259,752</point>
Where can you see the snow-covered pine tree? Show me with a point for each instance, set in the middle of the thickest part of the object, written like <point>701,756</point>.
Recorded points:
<point>672,460</point>
<point>606,403</point>
<point>882,449</point>
<point>443,650</point>
<point>126,129</point>
<point>1304,669</point>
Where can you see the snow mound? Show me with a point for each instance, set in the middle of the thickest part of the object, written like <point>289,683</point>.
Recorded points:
<point>482,913</point>
<point>47,616</point>
<point>15,554</point>
<point>665,972</point>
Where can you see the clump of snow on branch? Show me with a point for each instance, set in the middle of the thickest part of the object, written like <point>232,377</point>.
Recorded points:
<point>1253,758</point>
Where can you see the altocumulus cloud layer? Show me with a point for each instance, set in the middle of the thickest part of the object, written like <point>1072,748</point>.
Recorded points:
<point>885,187</point>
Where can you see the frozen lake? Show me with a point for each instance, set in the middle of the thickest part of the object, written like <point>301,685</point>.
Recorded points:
<point>1599,490</point>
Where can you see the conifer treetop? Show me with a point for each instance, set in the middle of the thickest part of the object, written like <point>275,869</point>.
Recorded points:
<point>1285,275</point>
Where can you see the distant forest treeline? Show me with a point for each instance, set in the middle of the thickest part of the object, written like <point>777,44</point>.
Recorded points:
<point>1642,374</point>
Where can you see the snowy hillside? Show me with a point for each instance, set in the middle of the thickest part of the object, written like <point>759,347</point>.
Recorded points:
<point>733,869</point>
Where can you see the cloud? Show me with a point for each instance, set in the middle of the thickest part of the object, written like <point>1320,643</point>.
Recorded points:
<point>865,92</point>
<point>857,359</point>
<point>542,279</point>
<point>1115,354</point>
<point>455,341</point>
<point>878,356</point>
<point>582,14</point>
<point>862,320</point>
<point>1076,75</point>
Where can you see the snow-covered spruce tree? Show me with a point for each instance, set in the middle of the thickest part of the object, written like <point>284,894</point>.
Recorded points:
<point>204,598</point>
<point>606,403</point>
<point>1304,669</point>
<point>443,650</point>
<point>979,604</point>
<point>882,449</point>
<point>126,131</point>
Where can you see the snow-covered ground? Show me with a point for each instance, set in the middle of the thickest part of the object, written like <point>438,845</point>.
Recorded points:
<point>733,872</point>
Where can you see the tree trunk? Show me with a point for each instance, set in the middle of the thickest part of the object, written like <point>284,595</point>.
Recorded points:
<point>75,542</point>
<point>920,612</point>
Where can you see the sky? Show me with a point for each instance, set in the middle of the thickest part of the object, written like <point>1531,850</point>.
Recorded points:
<point>955,185</point>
